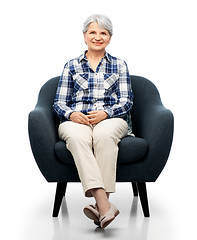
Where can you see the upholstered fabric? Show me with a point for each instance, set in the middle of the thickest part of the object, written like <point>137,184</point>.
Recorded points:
<point>140,159</point>
<point>131,149</point>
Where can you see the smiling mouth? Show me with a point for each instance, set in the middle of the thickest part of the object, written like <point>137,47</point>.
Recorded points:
<point>97,43</point>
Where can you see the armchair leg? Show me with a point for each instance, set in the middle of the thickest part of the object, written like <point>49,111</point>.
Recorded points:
<point>135,191</point>
<point>60,192</point>
<point>143,198</point>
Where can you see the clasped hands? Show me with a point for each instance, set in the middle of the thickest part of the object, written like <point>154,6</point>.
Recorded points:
<point>93,117</point>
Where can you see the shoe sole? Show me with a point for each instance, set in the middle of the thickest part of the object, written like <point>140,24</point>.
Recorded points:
<point>110,220</point>
<point>91,216</point>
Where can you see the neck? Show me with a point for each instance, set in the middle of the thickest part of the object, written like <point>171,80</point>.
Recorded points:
<point>94,55</point>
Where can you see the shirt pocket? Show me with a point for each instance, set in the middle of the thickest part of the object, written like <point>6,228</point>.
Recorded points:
<point>80,82</point>
<point>111,82</point>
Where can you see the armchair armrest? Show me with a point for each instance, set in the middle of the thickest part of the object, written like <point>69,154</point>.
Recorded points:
<point>155,125</point>
<point>43,136</point>
<point>152,122</point>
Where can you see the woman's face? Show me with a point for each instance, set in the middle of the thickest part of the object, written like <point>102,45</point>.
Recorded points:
<point>96,38</point>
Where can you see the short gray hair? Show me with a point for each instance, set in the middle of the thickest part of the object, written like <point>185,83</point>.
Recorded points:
<point>102,20</point>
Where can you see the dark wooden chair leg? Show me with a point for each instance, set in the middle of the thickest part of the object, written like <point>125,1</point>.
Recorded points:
<point>60,192</point>
<point>135,191</point>
<point>143,198</point>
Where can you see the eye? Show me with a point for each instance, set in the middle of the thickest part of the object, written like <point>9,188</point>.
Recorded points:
<point>92,32</point>
<point>103,33</point>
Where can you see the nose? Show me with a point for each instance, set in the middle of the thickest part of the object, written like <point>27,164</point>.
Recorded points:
<point>97,37</point>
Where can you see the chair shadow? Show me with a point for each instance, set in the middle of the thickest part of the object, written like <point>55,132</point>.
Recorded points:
<point>61,231</point>
<point>135,229</point>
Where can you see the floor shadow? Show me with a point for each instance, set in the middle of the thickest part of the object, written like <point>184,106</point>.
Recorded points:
<point>137,227</point>
<point>61,225</point>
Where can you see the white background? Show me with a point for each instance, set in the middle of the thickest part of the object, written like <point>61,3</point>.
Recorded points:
<point>157,39</point>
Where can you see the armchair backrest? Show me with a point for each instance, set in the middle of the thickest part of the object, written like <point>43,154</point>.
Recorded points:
<point>47,93</point>
<point>146,98</point>
<point>145,95</point>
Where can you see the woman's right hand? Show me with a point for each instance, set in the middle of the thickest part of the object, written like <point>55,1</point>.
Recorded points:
<point>79,117</point>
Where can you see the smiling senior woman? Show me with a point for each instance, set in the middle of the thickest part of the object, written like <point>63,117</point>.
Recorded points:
<point>93,99</point>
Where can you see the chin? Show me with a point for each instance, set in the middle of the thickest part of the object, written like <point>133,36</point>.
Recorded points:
<point>98,48</point>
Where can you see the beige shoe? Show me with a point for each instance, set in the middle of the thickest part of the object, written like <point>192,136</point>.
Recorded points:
<point>108,217</point>
<point>91,212</point>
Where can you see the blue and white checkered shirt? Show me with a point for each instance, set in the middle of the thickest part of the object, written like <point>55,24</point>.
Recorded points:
<point>82,89</point>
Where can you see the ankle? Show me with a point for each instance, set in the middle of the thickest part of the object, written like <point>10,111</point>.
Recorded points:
<point>104,207</point>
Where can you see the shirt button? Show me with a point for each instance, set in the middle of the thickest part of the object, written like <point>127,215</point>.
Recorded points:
<point>96,74</point>
<point>95,85</point>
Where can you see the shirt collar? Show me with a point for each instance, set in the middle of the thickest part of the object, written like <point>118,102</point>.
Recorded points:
<point>108,57</point>
<point>83,57</point>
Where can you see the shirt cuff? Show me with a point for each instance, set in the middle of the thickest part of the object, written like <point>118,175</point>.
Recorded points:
<point>109,112</point>
<point>67,115</point>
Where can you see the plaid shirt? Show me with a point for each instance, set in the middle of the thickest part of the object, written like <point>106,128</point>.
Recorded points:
<point>82,89</point>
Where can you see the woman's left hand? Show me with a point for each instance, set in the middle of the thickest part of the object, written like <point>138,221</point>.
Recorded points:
<point>97,116</point>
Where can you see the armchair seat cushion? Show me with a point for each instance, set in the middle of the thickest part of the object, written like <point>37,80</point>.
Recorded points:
<point>131,149</point>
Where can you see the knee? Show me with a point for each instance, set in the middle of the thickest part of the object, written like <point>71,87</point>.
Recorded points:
<point>110,130</point>
<point>103,136</point>
<point>78,139</point>
<point>69,134</point>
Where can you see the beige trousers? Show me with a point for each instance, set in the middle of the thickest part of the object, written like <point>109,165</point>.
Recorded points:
<point>95,150</point>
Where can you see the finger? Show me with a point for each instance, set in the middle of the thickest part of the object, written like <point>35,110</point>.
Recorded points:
<point>84,119</point>
<point>92,121</point>
<point>79,117</point>
<point>91,116</point>
<point>93,112</point>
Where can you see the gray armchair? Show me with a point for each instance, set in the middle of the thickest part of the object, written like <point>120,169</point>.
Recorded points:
<point>141,159</point>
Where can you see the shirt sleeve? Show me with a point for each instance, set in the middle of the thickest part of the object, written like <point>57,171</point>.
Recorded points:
<point>125,94</point>
<point>63,95</point>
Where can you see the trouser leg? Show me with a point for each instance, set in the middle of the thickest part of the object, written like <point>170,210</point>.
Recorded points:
<point>78,138</point>
<point>106,136</point>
